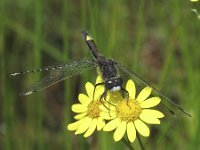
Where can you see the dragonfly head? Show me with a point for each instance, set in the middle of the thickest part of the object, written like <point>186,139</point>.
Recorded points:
<point>114,85</point>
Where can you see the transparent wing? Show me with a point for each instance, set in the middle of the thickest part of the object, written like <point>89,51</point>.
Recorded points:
<point>138,79</point>
<point>62,72</point>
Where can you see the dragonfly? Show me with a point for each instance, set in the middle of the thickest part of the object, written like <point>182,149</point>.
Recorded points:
<point>108,68</point>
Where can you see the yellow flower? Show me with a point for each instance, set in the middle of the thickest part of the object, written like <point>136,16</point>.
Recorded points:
<point>194,0</point>
<point>132,115</point>
<point>89,111</point>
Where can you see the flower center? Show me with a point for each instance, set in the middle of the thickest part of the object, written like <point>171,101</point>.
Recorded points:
<point>93,109</point>
<point>128,111</point>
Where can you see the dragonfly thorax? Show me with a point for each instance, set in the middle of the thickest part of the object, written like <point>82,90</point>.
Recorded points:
<point>114,85</point>
<point>107,68</point>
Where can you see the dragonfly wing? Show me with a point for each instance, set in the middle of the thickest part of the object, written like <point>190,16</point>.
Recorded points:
<point>62,72</point>
<point>138,79</point>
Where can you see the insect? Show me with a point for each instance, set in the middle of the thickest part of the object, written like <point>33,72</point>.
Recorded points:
<point>108,68</point>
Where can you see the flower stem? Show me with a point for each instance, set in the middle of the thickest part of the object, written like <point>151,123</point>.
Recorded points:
<point>140,142</point>
<point>128,144</point>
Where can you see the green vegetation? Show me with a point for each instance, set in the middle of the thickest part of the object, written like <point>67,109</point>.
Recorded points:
<point>157,39</point>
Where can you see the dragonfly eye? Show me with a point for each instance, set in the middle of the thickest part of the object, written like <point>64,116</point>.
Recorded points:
<point>114,85</point>
<point>109,84</point>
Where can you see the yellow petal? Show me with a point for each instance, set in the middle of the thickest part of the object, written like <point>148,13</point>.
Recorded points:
<point>107,107</point>
<point>98,92</point>
<point>100,124</point>
<point>114,97</point>
<point>144,94</point>
<point>80,116</point>
<point>99,89</point>
<point>112,124</point>
<point>91,128</point>
<point>89,89</point>
<point>84,99</point>
<point>150,113</point>
<point>108,115</point>
<point>79,108</point>
<point>99,79</point>
<point>150,120</point>
<point>103,108</point>
<point>142,128</point>
<point>73,126</point>
<point>119,132</point>
<point>151,102</point>
<point>131,132</point>
<point>84,125</point>
<point>130,87</point>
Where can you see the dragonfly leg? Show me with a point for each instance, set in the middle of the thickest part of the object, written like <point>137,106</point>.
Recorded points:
<point>95,89</point>
<point>104,95</point>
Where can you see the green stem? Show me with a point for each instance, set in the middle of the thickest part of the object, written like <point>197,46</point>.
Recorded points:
<point>128,144</point>
<point>39,110</point>
<point>68,92</point>
<point>6,102</point>
<point>140,34</point>
<point>140,142</point>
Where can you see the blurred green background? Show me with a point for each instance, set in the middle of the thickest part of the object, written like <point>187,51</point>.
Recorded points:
<point>157,39</point>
